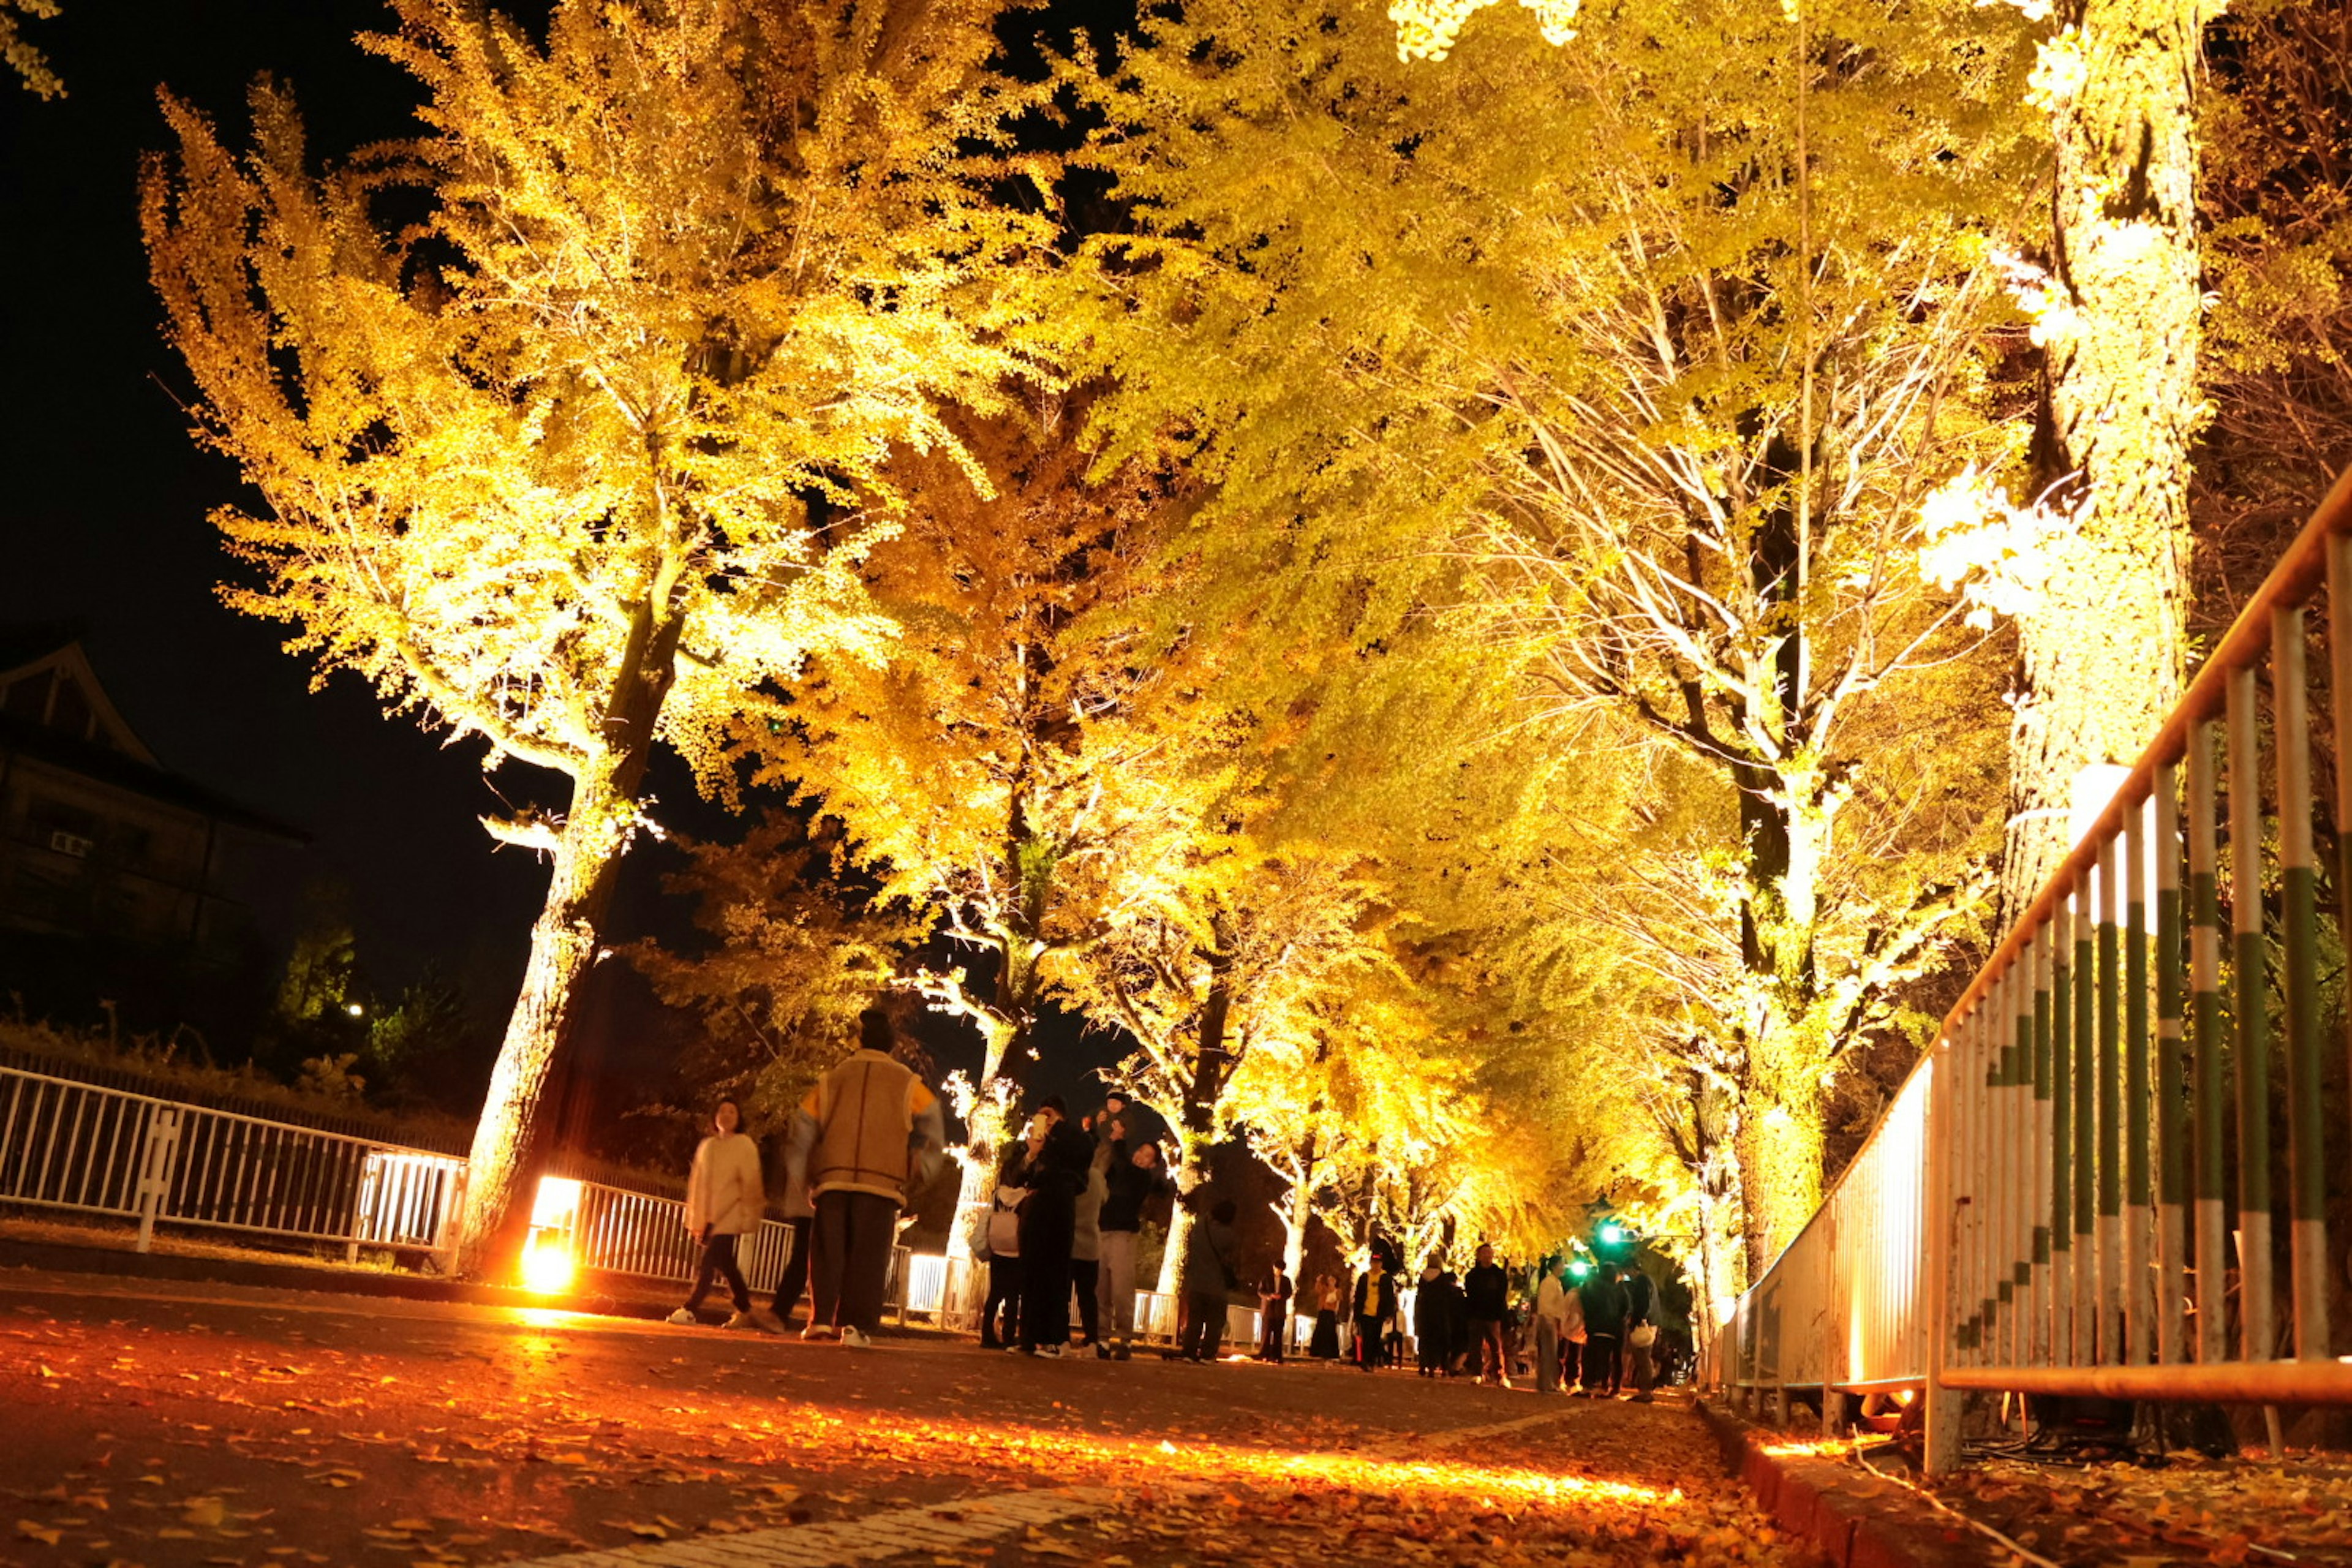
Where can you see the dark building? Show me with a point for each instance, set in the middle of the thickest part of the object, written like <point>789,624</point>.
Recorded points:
<point>117,878</point>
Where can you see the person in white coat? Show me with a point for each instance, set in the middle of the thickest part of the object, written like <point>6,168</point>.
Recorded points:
<point>724,1200</point>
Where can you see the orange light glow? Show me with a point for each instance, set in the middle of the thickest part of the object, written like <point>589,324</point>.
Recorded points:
<point>547,1266</point>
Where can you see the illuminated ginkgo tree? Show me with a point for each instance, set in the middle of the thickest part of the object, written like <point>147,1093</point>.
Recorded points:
<point>551,411</point>
<point>994,774</point>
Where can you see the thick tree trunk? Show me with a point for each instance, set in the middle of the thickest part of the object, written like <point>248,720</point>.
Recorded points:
<point>1197,1122</point>
<point>509,1137</point>
<point>1297,1208</point>
<point>1778,1146</point>
<point>2101,649</point>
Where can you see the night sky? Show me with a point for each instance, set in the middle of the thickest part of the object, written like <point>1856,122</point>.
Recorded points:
<point>103,514</point>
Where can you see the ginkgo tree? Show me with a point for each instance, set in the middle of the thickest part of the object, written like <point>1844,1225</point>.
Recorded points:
<point>1676,358</point>
<point>552,410</point>
<point>992,773</point>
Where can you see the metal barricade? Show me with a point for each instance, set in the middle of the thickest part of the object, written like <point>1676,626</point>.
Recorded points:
<point>83,1148</point>
<point>2112,1168</point>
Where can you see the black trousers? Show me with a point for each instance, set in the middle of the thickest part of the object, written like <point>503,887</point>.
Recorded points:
<point>1205,1330</point>
<point>1004,1296</point>
<point>1047,1220</point>
<point>1270,1343</point>
<point>719,1257</point>
<point>854,1236</point>
<point>1086,1275</point>
<point>1603,1367</point>
<point>1369,1349</point>
<point>796,1267</point>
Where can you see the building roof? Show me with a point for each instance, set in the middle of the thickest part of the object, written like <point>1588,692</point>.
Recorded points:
<point>106,750</point>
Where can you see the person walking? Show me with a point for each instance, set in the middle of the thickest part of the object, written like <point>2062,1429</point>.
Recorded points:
<point>798,1215</point>
<point>1375,1306</point>
<point>1273,1314</point>
<point>1209,1279</point>
<point>1049,1223</point>
<point>1085,1252</point>
<point>1132,1179</point>
<point>1000,1319</point>
<point>866,1132</point>
<point>724,1200</point>
<point>1552,1321</point>
<point>1323,1344</point>
<point>1641,1333</point>
<point>1487,1298</point>
<point>1604,1327</point>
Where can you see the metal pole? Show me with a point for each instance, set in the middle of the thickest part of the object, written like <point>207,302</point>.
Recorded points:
<point>2209,1168</point>
<point>2039,1152</point>
<point>2299,926</point>
<point>2086,1100</point>
<point>2111,1098</point>
<point>2254,1085</point>
<point>2139,1190</point>
<point>2064,1260</point>
<point>2171,1089</point>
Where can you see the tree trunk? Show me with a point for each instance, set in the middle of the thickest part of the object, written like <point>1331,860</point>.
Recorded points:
<point>1197,1123</point>
<point>2100,648</point>
<point>1297,1210</point>
<point>1780,1148</point>
<point>509,1137</point>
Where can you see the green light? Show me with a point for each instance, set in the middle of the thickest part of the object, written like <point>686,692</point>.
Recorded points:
<point>1611,1233</point>
<point>1579,1268</point>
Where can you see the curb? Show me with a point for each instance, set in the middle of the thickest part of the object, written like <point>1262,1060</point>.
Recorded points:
<point>1850,1518</point>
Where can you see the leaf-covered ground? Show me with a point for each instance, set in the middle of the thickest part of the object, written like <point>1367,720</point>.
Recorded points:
<point>2250,1510</point>
<point>233,1427</point>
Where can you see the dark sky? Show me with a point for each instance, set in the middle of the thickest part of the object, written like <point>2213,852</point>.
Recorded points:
<point>103,512</point>
<point>104,509</point>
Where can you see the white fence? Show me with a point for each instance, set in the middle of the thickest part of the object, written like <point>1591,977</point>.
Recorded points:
<point>90,1150</point>
<point>1846,1306</point>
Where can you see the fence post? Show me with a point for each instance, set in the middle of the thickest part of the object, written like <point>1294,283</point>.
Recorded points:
<point>156,1164</point>
<point>1943,1446</point>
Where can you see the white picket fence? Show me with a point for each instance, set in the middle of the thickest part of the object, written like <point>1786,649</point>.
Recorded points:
<point>85,1149</point>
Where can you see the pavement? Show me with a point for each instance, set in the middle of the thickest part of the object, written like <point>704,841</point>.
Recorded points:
<point>165,1422</point>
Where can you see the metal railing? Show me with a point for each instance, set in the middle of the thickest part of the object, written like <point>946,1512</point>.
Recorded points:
<point>87,1149</point>
<point>2081,1190</point>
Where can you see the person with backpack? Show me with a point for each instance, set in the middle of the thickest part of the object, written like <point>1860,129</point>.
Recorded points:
<point>868,1132</point>
<point>1641,1332</point>
<point>724,1200</point>
<point>1211,1277</point>
<point>1000,1319</point>
<point>1432,1333</point>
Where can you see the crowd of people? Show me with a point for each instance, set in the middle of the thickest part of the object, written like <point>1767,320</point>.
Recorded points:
<point>1067,1213</point>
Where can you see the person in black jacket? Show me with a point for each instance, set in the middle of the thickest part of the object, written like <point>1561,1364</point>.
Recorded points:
<point>1641,1308</point>
<point>1604,1330</point>
<point>1487,1294</point>
<point>1376,1307</point>
<point>1432,1332</point>
<point>1056,1174</point>
<point>1132,1181</point>
<point>1274,1313</point>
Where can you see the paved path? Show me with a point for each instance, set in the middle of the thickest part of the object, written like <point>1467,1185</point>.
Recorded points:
<point>209,1425</point>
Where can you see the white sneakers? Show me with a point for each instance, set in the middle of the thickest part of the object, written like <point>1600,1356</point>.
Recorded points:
<point>746,1321</point>
<point>816,1332</point>
<point>682,1318</point>
<point>1052,1351</point>
<point>855,1338</point>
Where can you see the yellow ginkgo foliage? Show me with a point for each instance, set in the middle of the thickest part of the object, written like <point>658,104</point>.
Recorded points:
<point>552,409</point>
